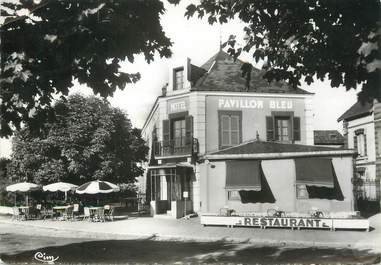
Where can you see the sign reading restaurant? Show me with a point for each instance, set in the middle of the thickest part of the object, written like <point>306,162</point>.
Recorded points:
<point>230,103</point>
<point>284,222</point>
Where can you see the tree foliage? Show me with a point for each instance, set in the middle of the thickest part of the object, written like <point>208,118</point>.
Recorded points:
<point>307,40</point>
<point>4,179</point>
<point>46,44</point>
<point>87,140</point>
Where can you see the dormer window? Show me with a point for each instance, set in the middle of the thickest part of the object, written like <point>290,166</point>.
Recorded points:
<point>178,78</point>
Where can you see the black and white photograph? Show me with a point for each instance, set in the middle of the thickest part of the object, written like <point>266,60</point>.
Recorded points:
<point>190,132</point>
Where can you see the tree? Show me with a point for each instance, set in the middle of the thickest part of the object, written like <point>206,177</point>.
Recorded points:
<point>46,44</point>
<point>88,140</point>
<point>4,180</point>
<point>307,40</point>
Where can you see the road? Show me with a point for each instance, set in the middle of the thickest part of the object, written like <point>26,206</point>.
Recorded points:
<point>21,248</point>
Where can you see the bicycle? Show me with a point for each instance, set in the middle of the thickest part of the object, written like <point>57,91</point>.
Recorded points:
<point>316,213</point>
<point>276,213</point>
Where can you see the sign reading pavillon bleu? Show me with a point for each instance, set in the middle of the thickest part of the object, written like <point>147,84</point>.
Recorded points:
<point>242,103</point>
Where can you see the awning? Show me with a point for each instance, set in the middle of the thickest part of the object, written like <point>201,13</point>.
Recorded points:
<point>314,172</point>
<point>243,175</point>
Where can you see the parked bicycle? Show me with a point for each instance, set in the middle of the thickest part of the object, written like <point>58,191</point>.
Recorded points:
<point>276,213</point>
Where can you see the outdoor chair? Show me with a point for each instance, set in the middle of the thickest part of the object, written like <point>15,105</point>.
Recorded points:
<point>75,211</point>
<point>86,214</point>
<point>45,213</point>
<point>68,213</point>
<point>100,215</point>
<point>17,214</point>
<point>109,212</point>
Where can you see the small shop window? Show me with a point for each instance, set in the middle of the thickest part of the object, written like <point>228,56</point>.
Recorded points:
<point>233,195</point>
<point>301,191</point>
<point>230,128</point>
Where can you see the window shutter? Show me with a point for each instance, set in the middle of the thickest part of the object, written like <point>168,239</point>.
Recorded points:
<point>355,143</point>
<point>166,132</point>
<point>269,128</point>
<point>188,129</point>
<point>154,134</point>
<point>365,149</point>
<point>296,129</point>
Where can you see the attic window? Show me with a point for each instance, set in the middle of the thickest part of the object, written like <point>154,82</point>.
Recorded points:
<point>178,78</point>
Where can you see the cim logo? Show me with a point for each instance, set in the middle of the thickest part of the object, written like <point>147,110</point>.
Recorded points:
<point>42,257</point>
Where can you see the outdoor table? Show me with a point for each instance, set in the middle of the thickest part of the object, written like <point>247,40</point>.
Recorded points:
<point>60,210</point>
<point>25,211</point>
<point>95,213</point>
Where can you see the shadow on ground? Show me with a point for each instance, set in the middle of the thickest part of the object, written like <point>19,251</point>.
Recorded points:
<point>169,252</point>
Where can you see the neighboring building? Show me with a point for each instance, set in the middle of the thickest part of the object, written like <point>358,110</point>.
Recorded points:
<point>219,141</point>
<point>329,138</point>
<point>362,130</point>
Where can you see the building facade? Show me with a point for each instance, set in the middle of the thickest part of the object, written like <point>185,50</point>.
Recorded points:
<point>258,126</point>
<point>362,131</point>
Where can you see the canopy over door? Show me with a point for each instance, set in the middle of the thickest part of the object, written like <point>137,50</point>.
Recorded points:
<point>243,175</point>
<point>314,172</point>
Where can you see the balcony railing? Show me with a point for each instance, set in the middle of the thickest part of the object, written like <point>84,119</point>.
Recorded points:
<point>182,146</point>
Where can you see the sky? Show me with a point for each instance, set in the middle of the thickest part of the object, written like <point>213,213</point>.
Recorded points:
<point>197,40</point>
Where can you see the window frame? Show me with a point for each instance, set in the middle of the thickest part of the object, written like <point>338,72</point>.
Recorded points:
<point>175,83</point>
<point>361,143</point>
<point>236,197</point>
<point>222,113</point>
<point>290,117</point>
<point>298,189</point>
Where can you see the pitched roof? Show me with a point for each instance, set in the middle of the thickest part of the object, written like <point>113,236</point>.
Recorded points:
<point>259,147</point>
<point>328,137</point>
<point>223,73</point>
<point>359,109</point>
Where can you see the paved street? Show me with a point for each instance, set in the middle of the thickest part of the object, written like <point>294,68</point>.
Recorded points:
<point>168,229</point>
<point>22,249</point>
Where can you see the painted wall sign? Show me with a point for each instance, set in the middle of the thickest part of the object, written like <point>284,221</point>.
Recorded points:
<point>285,222</point>
<point>230,103</point>
<point>178,105</point>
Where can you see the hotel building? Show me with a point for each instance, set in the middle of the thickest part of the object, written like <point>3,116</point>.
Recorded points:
<point>218,140</point>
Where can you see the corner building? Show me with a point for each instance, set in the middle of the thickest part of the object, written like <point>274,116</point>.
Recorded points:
<point>217,141</point>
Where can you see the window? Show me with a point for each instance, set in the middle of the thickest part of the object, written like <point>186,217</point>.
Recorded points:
<point>178,78</point>
<point>233,195</point>
<point>301,191</point>
<point>230,128</point>
<point>359,142</point>
<point>282,129</point>
<point>178,133</point>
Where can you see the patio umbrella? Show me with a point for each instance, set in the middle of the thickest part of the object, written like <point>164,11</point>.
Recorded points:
<point>23,187</point>
<point>60,186</point>
<point>97,186</point>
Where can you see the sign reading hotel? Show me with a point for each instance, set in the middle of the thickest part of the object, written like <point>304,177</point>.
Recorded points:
<point>231,103</point>
<point>178,105</point>
<point>284,222</point>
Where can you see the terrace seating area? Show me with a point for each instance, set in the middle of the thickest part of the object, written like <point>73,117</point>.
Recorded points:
<point>70,212</point>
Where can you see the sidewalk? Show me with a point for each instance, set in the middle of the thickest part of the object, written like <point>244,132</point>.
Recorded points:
<point>168,229</point>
